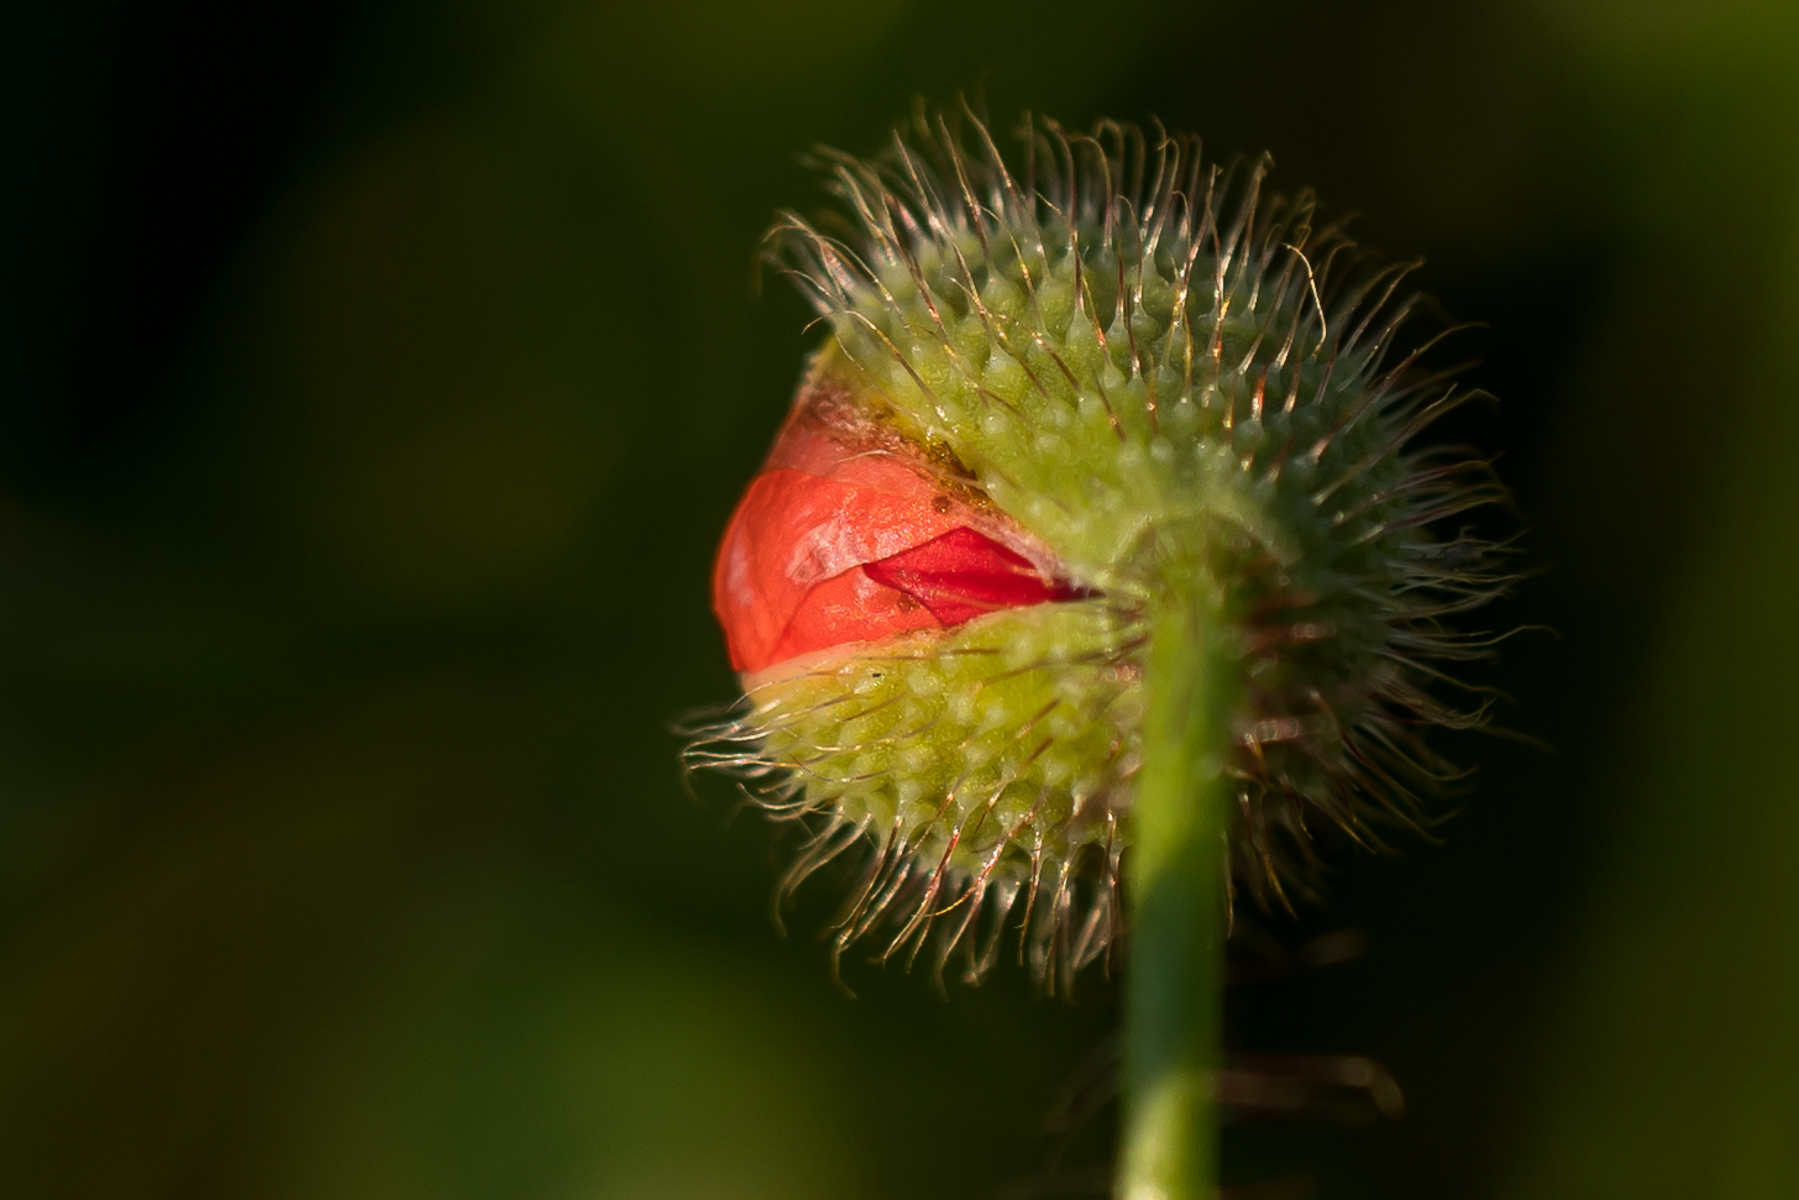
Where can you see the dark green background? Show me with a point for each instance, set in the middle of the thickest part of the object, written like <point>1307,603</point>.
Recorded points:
<point>376,379</point>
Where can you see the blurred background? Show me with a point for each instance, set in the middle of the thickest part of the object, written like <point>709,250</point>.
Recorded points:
<point>375,379</point>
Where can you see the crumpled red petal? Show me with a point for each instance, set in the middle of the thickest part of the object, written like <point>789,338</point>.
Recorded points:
<point>834,544</point>
<point>962,574</point>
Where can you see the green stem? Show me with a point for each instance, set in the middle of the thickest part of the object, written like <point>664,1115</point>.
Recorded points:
<point>1173,992</point>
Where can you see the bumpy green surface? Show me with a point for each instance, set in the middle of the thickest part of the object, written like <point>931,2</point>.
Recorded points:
<point>1150,377</point>
<point>980,759</point>
<point>997,719</point>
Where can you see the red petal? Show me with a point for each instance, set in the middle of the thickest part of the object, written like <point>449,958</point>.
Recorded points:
<point>850,608</point>
<point>794,532</point>
<point>962,574</point>
<point>837,543</point>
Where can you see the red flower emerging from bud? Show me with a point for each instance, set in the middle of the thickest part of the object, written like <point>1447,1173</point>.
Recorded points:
<point>852,534</point>
<point>1132,384</point>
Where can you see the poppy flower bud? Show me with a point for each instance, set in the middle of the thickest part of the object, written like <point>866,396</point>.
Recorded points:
<point>1050,394</point>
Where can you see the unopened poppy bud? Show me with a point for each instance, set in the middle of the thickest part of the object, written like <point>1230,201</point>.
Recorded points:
<point>1049,397</point>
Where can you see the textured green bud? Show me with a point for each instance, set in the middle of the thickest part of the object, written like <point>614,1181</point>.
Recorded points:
<point>1142,367</point>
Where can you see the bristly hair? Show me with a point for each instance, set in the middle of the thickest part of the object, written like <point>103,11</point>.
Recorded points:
<point>1123,348</point>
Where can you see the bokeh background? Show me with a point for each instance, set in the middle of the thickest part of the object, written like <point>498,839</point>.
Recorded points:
<point>376,378</point>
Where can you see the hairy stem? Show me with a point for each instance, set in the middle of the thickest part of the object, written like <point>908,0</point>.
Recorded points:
<point>1173,992</point>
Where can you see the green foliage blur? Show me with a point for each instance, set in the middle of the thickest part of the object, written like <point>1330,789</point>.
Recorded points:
<point>374,382</point>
